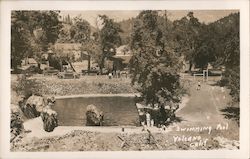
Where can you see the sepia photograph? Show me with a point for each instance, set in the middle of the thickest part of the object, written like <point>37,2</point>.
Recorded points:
<point>125,80</point>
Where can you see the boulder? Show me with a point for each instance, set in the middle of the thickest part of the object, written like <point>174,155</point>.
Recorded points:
<point>34,105</point>
<point>49,118</point>
<point>29,111</point>
<point>38,101</point>
<point>94,116</point>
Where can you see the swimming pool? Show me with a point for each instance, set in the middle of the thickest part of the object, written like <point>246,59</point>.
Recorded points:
<point>117,110</point>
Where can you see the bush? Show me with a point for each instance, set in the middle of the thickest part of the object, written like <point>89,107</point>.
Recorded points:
<point>16,124</point>
<point>24,86</point>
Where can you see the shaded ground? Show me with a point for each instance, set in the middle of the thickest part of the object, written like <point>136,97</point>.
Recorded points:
<point>233,113</point>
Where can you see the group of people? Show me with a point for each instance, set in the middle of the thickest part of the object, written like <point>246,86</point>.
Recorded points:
<point>149,122</point>
<point>115,73</point>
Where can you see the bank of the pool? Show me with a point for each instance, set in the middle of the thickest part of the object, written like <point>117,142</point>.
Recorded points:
<point>99,95</point>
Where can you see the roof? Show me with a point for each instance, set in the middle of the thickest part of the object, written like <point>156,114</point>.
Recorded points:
<point>123,50</point>
<point>31,61</point>
<point>124,58</point>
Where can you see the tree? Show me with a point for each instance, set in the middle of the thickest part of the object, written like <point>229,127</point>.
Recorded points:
<point>231,56</point>
<point>31,33</point>
<point>80,32</point>
<point>223,44</point>
<point>93,50</point>
<point>154,68</point>
<point>51,26</point>
<point>20,39</point>
<point>109,38</point>
<point>186,34</point>
<point>204,47</point>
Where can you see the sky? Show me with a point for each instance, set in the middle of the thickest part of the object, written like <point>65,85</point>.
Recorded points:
<point>206,16</point>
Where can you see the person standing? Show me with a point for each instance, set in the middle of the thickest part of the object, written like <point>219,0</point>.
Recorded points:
<point>110,75</point>
<point>199,85</point>
<point>148,119</point>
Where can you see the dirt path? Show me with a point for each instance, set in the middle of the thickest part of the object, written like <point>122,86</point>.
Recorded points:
<point>204,109</point>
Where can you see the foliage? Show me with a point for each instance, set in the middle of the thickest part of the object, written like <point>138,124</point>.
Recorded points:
<point>126,27</point>
<point>54,62</point>
<point>93,50</point>
<point>186,33</point>
<point>64,35</point>
<point>216,43</point>
<point>25,87</point>
<point>31,33</point>
<point>154,68</point>
<point>226,42</point>
<point>109,38</point>
<point>67,19</point>
<point>16,124</point>
<point>80,30</point>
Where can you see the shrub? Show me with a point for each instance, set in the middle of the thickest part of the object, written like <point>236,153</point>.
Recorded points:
<point>25,86</point>
<point>16,124</point>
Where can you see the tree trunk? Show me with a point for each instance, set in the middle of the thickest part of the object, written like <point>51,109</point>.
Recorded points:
<point>71,66</point>
<point>89,58</point>
<point>190,66</point>
<point>102,64</point>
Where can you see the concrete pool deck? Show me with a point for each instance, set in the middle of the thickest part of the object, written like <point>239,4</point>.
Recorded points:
<point>99,95</point>
<point>35,126</point>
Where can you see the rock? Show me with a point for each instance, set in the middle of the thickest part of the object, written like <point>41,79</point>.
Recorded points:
<point>94,116</point>
<point>38,101</point>
<point>49,118</point>
<point>34,105</point>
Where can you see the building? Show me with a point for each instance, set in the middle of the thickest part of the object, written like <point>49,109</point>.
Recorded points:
<point>29,62</point>
<point>122,57</point>
<point>73,50</point>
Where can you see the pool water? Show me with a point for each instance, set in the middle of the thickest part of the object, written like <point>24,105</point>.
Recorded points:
<point>118,111</point>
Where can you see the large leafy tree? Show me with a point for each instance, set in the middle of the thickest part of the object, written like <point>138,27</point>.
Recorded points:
<point>186,32</point>
<point>228,53</point>
<point>154,68</point>
<point>80,32</point>
<point>109,38</point>
<point>204,51</point>
<point>31,33</point>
